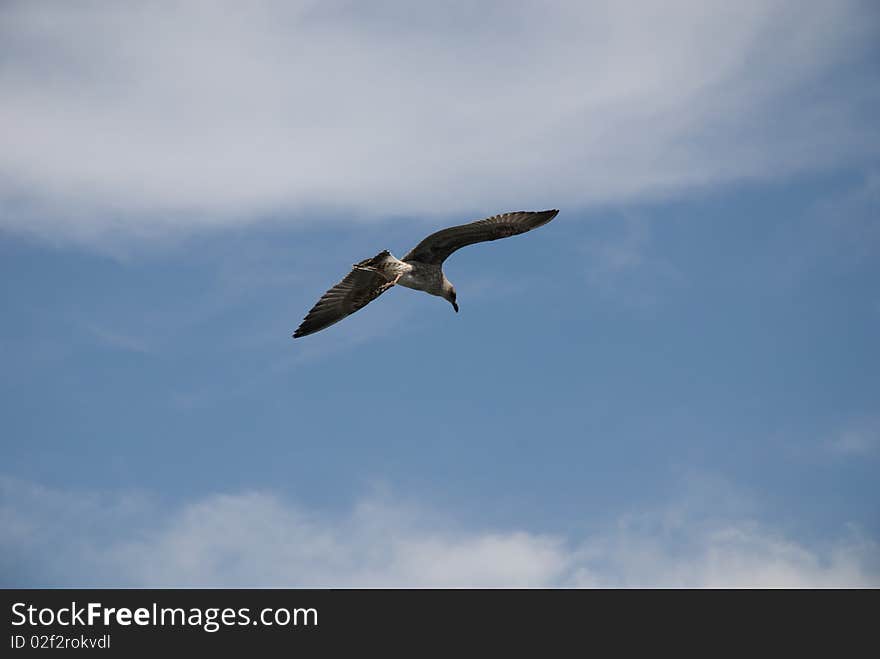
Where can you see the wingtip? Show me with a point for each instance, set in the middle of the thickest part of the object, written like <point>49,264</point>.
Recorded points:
<point>547,215</point>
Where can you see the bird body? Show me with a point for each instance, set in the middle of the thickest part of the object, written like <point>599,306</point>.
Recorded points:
<point>425,277</point>
<point>421,269</point>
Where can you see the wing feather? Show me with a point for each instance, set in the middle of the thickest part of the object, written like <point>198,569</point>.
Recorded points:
<point>437,247</point>
<point>357,290</point>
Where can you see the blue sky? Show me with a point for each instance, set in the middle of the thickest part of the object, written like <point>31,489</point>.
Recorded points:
<point>676,382</point>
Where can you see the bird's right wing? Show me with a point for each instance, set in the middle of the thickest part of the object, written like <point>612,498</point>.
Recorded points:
<point>437,247</point>
<point>357,290</point>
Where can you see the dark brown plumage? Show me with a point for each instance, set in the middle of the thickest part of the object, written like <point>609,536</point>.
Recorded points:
<point>437,247</point>
<point>357,290</point>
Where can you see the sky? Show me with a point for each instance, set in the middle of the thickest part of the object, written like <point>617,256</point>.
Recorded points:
<point>675,383</point>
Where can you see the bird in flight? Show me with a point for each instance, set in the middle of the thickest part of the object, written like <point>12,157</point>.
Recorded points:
<point>421,269</point>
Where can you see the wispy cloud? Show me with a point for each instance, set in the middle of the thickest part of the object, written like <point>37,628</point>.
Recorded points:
<point>860,439</point>
<point>117,340</point>
<point>139,120</point>
<point>55,538</point>
<point>837,234</point>
<point>620,262</point>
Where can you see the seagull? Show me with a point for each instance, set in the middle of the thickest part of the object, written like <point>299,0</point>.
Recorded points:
<point>421,269</point>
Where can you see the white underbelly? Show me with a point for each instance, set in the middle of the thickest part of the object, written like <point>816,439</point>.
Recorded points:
<point>409,280</point>
<point>422,279</point>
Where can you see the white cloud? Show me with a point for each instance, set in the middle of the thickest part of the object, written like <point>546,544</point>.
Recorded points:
<point>57,538</point>
<point>144,119</point>
<point>723,554</point>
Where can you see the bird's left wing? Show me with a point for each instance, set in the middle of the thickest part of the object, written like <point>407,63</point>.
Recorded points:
<point>437,247</point>
<point>357,290</point>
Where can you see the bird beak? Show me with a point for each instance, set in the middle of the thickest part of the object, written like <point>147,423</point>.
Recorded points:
<point>455,306</point>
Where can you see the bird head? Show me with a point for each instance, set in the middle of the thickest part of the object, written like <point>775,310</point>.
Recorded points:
<point>449,294</point>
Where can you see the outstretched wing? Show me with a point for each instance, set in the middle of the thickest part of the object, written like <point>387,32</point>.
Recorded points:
<point>357,290</point>
<point>437,247</point>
